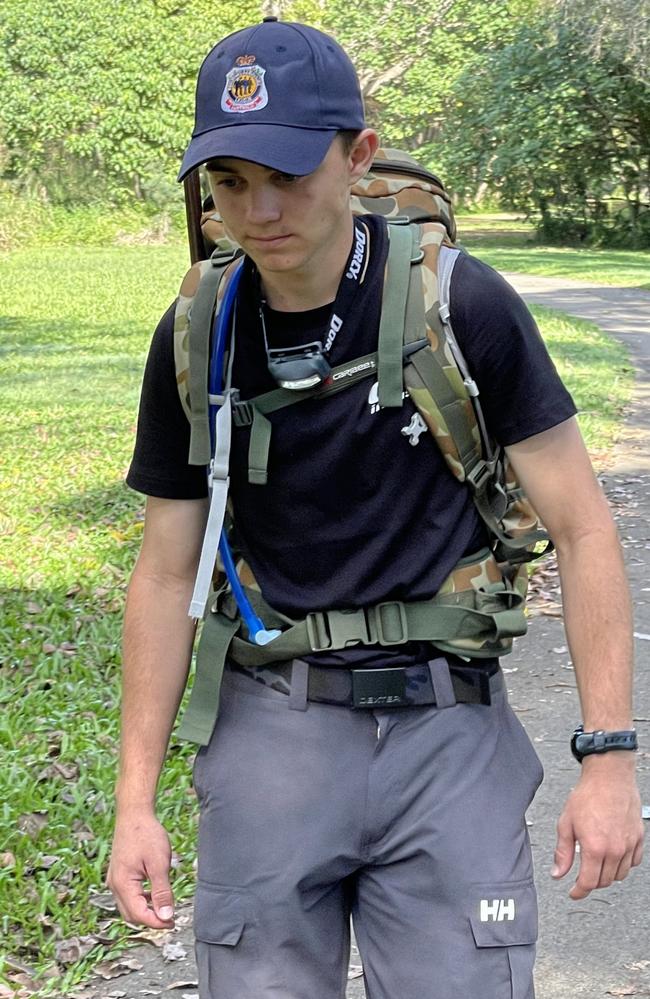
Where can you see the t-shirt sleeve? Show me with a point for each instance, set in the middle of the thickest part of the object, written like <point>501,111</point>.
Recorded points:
<point>520,390</point>
<point>159,466</point>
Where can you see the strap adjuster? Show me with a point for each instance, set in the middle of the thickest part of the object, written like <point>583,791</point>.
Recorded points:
<point>242,413</point>
<point>479,476</point>
<point>391,623</point>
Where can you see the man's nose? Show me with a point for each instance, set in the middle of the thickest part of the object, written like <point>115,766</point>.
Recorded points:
<point>263,204</point>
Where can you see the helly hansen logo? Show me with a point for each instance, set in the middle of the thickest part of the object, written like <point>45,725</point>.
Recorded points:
<point>496,910</point>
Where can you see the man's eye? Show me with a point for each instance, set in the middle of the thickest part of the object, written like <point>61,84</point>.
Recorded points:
<point>287,178</point>
<point>228,182</point>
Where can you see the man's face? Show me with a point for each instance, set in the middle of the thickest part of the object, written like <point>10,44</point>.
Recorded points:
<point>283,222</point>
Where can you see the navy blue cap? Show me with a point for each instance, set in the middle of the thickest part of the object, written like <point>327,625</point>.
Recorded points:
<point>276,93</point>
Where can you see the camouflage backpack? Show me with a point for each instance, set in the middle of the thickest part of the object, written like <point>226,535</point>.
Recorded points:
<point>479,608</point>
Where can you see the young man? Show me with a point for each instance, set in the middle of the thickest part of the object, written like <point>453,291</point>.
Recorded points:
<point>312,807</point>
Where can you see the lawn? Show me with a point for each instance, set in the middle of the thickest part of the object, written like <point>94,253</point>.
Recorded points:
<point>506,242</point>
<point>75,328</point>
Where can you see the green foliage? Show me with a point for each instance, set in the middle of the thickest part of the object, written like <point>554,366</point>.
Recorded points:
<point>555,131</point>
<point>98,94</point>
<point>26,222</point>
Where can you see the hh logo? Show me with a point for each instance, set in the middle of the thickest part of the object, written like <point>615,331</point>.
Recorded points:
<point>497,910</point>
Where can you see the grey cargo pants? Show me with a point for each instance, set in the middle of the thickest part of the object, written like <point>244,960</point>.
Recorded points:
<point>410,820</point>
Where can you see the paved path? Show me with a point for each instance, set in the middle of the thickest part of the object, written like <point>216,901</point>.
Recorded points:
<point>599,947</point>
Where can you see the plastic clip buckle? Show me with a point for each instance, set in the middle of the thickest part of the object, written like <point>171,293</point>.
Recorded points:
<point>337,629</point>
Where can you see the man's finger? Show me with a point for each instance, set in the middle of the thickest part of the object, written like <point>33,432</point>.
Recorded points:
<point>162,899</point>
<point>589,874</point>
<point>564,850</point>
<point>624,867</point>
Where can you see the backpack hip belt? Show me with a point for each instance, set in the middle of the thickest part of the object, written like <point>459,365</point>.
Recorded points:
<point>478,622</point>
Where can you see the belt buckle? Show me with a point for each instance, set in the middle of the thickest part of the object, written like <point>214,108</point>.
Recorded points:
<point>379,688</point>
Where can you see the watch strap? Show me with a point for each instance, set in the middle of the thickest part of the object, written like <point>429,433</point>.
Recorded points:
<point>590,743</point>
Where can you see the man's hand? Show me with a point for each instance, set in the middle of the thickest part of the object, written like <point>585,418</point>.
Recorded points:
<point>603,815</point>
<point>141,852</point>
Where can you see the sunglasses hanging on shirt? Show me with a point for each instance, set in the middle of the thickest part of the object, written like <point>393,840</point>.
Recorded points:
<point>307,365</point>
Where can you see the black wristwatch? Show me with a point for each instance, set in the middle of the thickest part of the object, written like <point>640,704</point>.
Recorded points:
<point>585,743</point>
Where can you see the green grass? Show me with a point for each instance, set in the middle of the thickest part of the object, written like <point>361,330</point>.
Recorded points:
<point>507,242</point>
<point>75,329</point>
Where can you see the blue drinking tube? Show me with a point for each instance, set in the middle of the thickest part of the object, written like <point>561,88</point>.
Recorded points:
<point>257,632</point>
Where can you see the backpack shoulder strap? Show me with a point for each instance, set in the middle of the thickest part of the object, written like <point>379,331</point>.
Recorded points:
<point>433,378</point>
<point>201,295</point>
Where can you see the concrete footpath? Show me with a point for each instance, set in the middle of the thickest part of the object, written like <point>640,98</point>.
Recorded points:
<point>599,947</point>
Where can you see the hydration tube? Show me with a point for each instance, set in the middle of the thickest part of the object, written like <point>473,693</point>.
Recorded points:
<point>257,632</point>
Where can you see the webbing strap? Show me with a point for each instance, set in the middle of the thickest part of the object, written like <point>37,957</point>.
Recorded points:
<point>199,348</point>
<point>340,378</point>
<point>494,616</point>
<point>201,713</point>
<point>219,482</point>
<point>393,317</point>
<point>258,449</point>
<point>253,410</point>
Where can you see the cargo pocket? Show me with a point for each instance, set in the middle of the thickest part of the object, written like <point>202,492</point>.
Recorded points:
<point>225,928</point>
<point>504,916</point>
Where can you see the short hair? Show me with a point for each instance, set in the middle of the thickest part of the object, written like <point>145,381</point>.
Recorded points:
<point>348,137</point>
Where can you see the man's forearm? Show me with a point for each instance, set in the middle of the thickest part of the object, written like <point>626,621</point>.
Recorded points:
<point>158,638</point>
<point>598,620</point>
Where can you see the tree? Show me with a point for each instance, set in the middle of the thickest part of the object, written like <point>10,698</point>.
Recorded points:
<point>98,94</point>
<point>554,130</point>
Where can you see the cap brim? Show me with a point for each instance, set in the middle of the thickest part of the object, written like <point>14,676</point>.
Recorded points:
<point>280,147</point>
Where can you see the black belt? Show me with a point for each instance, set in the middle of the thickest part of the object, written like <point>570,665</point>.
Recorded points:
<point>395,686</point>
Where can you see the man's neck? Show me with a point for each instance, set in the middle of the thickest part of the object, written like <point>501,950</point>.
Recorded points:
<point>313,285</point>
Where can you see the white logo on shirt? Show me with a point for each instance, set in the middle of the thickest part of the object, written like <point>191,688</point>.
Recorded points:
<point>373,398</point>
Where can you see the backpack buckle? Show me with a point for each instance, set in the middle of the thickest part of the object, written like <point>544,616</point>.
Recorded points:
<point>242,413</point>
<point>479,476</point>
<point>391,623</point>
<point>220,257</point>
<point>337,629</point>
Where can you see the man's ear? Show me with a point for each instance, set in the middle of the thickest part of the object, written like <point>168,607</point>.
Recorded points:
<point>362,154</point>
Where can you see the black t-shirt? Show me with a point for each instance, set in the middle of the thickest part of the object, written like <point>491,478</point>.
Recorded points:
<point>353,513</point>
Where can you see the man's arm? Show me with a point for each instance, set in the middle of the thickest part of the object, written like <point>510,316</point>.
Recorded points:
<point>158,638</point>
<point>603,812</point>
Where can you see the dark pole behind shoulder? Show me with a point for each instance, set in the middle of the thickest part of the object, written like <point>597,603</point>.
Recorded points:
<point>193,206</point>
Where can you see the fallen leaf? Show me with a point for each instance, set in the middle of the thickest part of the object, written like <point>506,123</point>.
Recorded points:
<point>113,969</point>
<point>7,860</point>
<point>32,824</point>
<point>644,638</point>
<point>173,951</point>
<point>181,985</point>
<point>355,971</point>
<point>73,949</point>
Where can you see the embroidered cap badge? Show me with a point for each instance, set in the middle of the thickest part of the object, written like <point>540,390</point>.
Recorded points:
<point>245,89</point>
